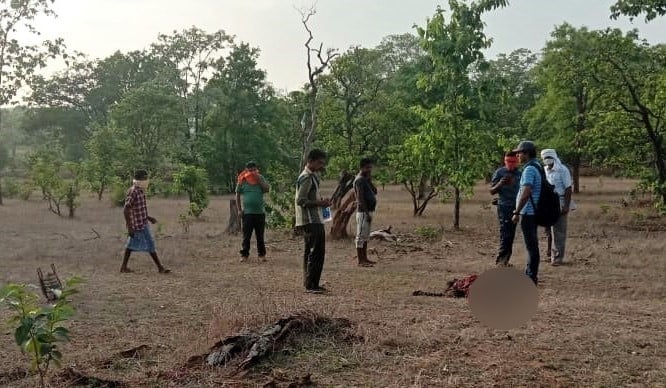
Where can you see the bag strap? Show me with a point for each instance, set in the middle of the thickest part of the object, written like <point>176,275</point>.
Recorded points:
<point>543,179</point>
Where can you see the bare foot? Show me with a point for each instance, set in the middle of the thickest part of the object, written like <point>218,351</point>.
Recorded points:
<point>164,270</point>
<point>365,264</point>
<point>126,270</point>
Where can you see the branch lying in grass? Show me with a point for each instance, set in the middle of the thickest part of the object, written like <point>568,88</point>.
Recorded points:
<point>255,346</point>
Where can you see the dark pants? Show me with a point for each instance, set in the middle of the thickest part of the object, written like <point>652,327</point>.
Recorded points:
<point>507,233</point>
<point>313,255</point>
<point>256,223</point>
<point>529,228</point>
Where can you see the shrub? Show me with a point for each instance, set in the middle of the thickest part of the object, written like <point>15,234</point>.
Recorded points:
<point>39,330</point>
<point>193,181</point>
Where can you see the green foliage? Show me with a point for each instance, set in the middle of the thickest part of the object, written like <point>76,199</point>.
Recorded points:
<point>108,158</point>
<point>634,8</point>
<point>57,180</point>
<point>193,181</point>
<point>280,201</point>
<point>429,232</point>
<point>10,188</point>
<point>18,62</point>
<point>118,193</point>
<point>152,119</point>
<point>39,330</point>
<point>454,138</point>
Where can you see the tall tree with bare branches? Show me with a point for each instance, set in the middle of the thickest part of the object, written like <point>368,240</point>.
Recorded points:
<point>318,61</point>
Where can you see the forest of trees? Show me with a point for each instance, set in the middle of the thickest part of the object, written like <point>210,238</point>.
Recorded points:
<point>434,113</point>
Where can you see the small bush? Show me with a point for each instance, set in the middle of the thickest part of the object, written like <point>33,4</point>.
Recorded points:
<point>39,330</point>
<point>118,194</point>
<point>429,232</point>
<point>10,188</point>
<point>193,181</point>
<point>26,191</point>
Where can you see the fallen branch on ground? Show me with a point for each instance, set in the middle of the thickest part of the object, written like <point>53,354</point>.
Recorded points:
<point>255,346</point>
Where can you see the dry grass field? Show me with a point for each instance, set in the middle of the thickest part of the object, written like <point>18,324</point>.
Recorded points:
<point>601,320</point>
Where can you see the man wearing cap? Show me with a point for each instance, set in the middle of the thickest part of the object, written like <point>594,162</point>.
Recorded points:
<point>527,200</point>
<point>559,176</point>
<point>506,183</point>
<point>252,186</point>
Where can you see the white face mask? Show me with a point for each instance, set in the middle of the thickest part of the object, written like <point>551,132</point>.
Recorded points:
<point>142,184</point>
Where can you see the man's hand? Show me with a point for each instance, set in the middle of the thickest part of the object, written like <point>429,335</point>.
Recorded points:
<point>369,216</point>
<point>506,180</point>
<point>324,202</point>
<point>565,210</point>
<point>152,220</point>
<point>130,231</point>
<point>240,212</point>
<point>515,218</point>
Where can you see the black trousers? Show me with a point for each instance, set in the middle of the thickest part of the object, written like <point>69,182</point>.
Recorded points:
<point>313,254</point>
<point>254,223</point>
<point>507,233</point>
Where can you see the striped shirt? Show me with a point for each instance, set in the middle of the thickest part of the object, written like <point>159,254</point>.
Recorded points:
<point>307,193</point>
<point>530,177</point>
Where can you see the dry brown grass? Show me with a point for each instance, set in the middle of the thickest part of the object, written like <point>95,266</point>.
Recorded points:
<point>601,320</point>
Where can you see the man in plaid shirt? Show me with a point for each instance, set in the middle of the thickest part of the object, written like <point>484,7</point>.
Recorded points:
<point>137,219</point>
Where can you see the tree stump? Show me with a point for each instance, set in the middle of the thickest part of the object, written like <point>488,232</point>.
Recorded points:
<point>342,216</point>
<point>234,225</point>
<point>345,183</point>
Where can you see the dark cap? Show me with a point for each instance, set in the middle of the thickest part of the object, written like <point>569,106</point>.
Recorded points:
<point>141,175</point>
<point>525,146</point>
<point>251,164</point>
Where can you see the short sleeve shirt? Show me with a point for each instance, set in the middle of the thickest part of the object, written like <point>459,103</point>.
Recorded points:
<point>253,197</point>
<point>530,177</point>
<point>507,193</point>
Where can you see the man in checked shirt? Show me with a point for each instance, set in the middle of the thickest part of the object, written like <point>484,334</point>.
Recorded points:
<point>137,219</point>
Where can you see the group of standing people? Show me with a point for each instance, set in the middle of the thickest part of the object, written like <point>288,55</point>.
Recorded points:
<point>309,205</point>
<point>519,191</point>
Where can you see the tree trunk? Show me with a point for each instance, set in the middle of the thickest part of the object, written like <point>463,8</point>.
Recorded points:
<point>100,193</point>
<point>1,191</point>
<point>342,216</point>
<point>576,174</point>
<point>345,183</point>
<point>234,225</point>
<point>456,211</point>
<point>422,188</point>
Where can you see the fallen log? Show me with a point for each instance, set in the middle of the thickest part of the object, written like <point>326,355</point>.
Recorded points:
<point>253,347</point>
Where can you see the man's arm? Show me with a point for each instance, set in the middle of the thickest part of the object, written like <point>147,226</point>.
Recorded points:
<point>360,198</point>
<point>566,178</point>
<point>239,205</point>
<point>567,200</point>
<point>522,201</point>
<point>302,198</point>
<point>127,212</point>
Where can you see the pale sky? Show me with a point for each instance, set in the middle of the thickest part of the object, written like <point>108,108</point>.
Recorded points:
<point>100,27</point>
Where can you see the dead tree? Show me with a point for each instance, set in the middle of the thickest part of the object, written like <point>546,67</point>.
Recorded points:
<point>345,183</point>
<point>309,127</point>
<point>234,225</point>
<point>342,216</point>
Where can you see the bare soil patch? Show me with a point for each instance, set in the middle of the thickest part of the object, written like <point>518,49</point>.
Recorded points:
<point>601,320</point>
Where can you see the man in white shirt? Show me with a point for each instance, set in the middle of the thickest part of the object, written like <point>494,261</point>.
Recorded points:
<point>559,176</point>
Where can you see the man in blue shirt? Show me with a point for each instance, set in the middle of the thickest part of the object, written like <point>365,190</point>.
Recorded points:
<point>506,183</point>
<point>528,199</point>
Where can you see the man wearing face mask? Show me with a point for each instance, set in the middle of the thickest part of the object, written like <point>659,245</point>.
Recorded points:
<point>559,176</point>
<point>137,219</point>
<point>506,183</point>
